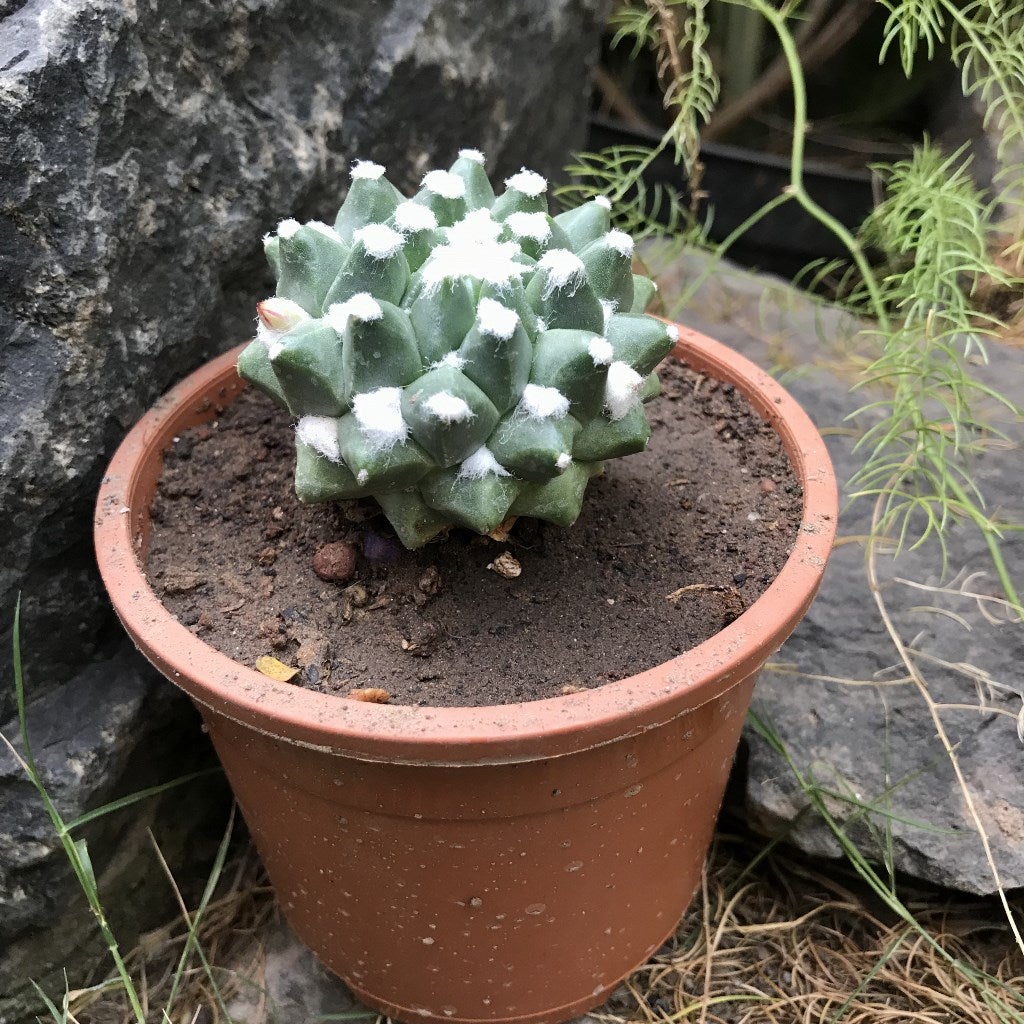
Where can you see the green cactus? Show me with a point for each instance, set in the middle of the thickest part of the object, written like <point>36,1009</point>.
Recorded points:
<point>460,357</point>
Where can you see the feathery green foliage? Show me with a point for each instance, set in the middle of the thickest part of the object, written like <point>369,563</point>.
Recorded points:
<point>934,232</point>
<point>677,31</point>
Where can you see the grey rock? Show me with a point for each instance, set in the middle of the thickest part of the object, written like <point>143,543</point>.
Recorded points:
<point>293,987</point>
<point>834,694</point>
<point>144,150</point>
<point>115,728</point>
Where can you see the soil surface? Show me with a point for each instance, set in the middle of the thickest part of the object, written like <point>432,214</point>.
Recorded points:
<point>707,514</point>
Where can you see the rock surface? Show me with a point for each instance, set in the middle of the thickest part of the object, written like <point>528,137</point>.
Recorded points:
<point>114,721</point>
<point>146,147</point>
<point>836,694</point>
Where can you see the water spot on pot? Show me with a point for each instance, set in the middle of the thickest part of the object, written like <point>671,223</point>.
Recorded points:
<point>556,792</point>
<point>421,1011</point>
<point>566,843</point>
<point>536,908</point>
<point>427,940</point>
<point>632,760</point>
<point>574,865</point>
<point>598,990</point>
<point>418,817</point>
<point>475,901</point>
<point>449,1011</point>
<point>633,790</point>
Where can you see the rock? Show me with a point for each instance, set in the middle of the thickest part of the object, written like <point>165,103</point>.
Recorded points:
<point>834,694</point>
<point>335,562</point>
<point>115,728</point>
<point>144,150</point>
<point>293,987</point>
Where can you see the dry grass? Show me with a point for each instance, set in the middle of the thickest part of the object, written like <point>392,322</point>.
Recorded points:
<point>769,939</point>
<point>787,942</point>
<point>230,934</point>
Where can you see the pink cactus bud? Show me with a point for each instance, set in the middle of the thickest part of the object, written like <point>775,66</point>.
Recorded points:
<point>280,315</point>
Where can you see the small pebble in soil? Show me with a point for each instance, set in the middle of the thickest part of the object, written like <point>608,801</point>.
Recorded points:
<point>335,562</point>
<point>381,549</point>
<point>507,565</point>
<point>430,582</point>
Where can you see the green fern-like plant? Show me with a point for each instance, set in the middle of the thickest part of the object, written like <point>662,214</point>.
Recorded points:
<point>933,229</point>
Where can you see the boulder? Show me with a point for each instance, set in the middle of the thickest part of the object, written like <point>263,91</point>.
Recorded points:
<point>837,695</point>
<point>144,150</point>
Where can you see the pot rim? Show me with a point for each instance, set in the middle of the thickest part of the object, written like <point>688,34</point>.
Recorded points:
<point>464,735</point>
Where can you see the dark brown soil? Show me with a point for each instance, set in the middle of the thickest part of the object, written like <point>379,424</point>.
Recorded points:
<point>711,506</point>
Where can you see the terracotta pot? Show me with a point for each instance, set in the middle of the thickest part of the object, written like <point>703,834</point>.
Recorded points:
<point>508,863</point>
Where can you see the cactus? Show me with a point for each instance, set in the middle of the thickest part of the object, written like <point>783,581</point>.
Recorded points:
<point>461,358</point>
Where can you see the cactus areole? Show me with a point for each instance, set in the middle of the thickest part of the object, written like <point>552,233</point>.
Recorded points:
<point>460,357</point>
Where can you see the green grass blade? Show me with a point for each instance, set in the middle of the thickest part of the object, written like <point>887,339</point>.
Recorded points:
<point>59,1016</point>
<point>134,798</point>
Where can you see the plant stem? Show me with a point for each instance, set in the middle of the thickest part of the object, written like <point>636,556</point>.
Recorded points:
<point>796,187</point>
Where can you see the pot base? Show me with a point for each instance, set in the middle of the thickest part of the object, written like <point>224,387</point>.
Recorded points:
<point>556,1015</point>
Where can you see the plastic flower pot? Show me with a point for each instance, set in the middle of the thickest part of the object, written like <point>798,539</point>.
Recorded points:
<point>505,863</point>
